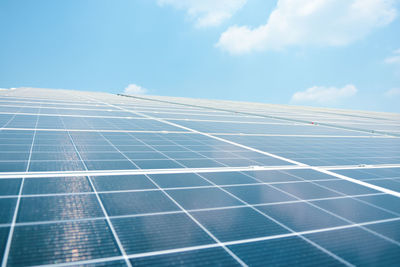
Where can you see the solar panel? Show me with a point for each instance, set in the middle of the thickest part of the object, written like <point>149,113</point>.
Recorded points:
<point>94,179</point>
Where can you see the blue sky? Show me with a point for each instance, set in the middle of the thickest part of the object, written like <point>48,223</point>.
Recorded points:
<point>334,53</point>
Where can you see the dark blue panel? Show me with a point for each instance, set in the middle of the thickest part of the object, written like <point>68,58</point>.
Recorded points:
<point>205,257</point>
<point>159,232</point>
<point>237,162</point>
<point>203,198</point>
<point>200,163</point>
<point>257,194</point>
<point>122,182</point>
<point>137,203</point>
<point>58,208</point>
<point>183,154</point>
<point>353,210</point>
<point>157,164</point>
<point>110,165</point>
<point>4,231</point>
<point>171,180</point>
<point>13,166</point>
<point>120,263</point>
<point>102,156</point>
<point>39,166</point>
<point>388,184</point>
<point>56,185</point>
<point>359,247</point>
<point>238,223</point>
<point>135,148</point>
<point>357,174</point>
<point>63,155</point>
<point>7,208</point>
<point>61,242</point>
<point>145,155</point>
<point>9,156</point>
<point>9,186</point>
<point>292,251</point>
<point>388,202</point>
<point>270,161</point>
<point>306,190</point>
<point>310,175</point>
<point>388,229</point>
<point>272,176</point>
<point>347,188</point>
<point>228,178</point>
<point>301,216</point>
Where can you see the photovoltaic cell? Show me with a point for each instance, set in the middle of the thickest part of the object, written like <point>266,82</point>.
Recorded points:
<point>94,179</point>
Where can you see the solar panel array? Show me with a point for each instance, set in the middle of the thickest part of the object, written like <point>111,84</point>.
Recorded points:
<point>94,179</point>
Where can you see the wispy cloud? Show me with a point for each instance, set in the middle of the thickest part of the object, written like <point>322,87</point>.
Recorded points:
<point>394,92</point>
<point>306,22</point>
<point>134,89</point>
<point>206,12</point>
<point>394,58</point>
<point>324,95</point>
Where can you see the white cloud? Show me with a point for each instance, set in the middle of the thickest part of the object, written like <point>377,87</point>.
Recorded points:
<point>395,92</point>
<point>134,89</point>
<point>324,95</point>
<point>207,12</point>
<point>311,22</point>
<point>395,58</point>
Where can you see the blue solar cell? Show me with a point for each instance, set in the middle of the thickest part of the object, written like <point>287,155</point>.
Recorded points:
<point>272,176</point>
<point>388,202</point>
<point>258,194</point>
<point>388,229</point>
<point>310,175</point>
<point>58,208</point>
<point>228,178</point>
<point>9,156</point>
<point>101,156</point>
<point>109,165</point>
<point>359,247</point>
<point>9,186</point>
<point>204,257</point>
<point>61,242</point>
<point>301,216</point>
<point>306,190</point>
<point>347,188</point>
<point>291,251</point>
<point>145,155</point>
<point>157,164</point>
<point>200,163</point>
<point>122,182</point>
<point>62,165</point>
<point>137,203</point>
<point>238,223</point>
<point>4,231</point>
<point>13,166</point>
<point>389,184</point>
<point>55,185</point>
<point>353,210</point>
<point>173,180</point>
<point>159,232</point>
<point>7,208</point>
<point>120,263</point>
<point>203,198</point>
